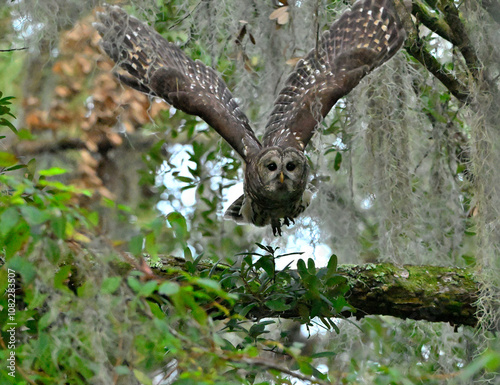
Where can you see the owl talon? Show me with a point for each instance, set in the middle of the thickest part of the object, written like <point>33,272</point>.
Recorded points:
<point>276,225</point>
<point>288,221</point>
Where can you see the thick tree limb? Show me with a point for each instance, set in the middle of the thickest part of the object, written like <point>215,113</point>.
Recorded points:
<point>432,20</point>
<point>431,293</point>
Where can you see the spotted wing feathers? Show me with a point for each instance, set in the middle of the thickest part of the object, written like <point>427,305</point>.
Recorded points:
<point>359,41</point>
<point>155,66</point>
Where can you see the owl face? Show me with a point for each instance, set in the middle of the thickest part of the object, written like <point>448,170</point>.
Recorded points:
<point>277,177</point>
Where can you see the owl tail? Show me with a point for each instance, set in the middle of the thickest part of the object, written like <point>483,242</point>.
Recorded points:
<point>235,211</point>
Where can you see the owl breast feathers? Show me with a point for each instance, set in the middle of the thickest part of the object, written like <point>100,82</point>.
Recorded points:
<point>276,172</point>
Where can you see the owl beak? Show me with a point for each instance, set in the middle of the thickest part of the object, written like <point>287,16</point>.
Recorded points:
<point>282,177</point>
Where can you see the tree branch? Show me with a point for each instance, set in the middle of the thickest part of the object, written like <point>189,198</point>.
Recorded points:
<point>35,147</point>
<point>415,47</point>
<point>461,40</point>
<point>431,293</point>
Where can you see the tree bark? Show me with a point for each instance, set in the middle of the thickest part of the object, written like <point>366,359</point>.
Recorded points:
<point>431,293</point>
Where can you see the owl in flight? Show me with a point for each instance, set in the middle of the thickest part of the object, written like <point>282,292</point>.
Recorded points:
<point>276,169</point>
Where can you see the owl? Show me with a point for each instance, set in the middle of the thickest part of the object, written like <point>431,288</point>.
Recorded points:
<point>276,169</point>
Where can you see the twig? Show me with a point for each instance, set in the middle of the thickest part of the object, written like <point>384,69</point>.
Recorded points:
<point>13,49</point>
<point>269,364</point>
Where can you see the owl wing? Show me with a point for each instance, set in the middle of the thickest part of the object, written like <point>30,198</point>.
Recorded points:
<point>359,41</point>
<point>160,68</point>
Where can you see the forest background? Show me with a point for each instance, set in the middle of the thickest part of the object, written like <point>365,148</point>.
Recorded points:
<point>118,268</point>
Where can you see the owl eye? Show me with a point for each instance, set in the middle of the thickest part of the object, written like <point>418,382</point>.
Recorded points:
<point>290,166</point>
<point>272,166</point>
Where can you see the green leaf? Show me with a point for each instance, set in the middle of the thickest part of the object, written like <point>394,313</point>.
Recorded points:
<point>16,240</point>
<point>258,328</point>
<point>31,169</point>
<point>122,370</point>
<point>86,290</point>
<point>16,167</point>
<point>301,268</point>
<point>277,305</point>
<point>335,279</point>
<point>52,171</point>
<point>306,368</point>
<point>151,246</point>
<point>7,159</point>
<point>34,216</point>
<point>110,284</point>
<point>45,321</point>
<point>25,134</point>
<point>25,268</point>
<point>323,354</point>
<point>311,267</point>
<point>8,220</point>
<point>184,179</point>
<point>134,284</point>
<point>243,312</point>
<point>6,123</point>
<point>332,265</point>
<point>169,288</point>
<point>338,161</point>
<point>178,223</point>
<point>58,225</point>
<point>188,255</point>
<point>61,277</point>
<point>148,288</point>
<point>52,250</point>
<point>143,378</point>
<point>267,264</point>
<point>155,309</point>
<point>208,284</point>
<point>135,245</point>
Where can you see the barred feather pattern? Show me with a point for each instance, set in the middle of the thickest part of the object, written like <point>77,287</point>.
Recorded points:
<point>359,41</point>
<point>276,173</point>
<point>158,67</point>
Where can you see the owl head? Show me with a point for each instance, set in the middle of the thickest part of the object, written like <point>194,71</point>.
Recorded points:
<point>276,176</point>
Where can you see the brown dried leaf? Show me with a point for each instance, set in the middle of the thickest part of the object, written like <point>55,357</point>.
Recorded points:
<point>252,39</point>
<point>283,18</point>
<point>115,138</point>
<point>62,91</point>
<point>293,61</point>
<point>279,12</point>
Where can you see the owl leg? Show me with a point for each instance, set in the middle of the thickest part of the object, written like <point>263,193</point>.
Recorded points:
<point>276,225</point>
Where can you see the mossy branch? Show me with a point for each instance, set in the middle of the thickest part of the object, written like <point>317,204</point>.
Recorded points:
<point>431,293</point>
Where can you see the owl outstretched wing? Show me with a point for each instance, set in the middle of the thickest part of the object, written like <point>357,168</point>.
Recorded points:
<point>359,41</point>
<point>160,68</point>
